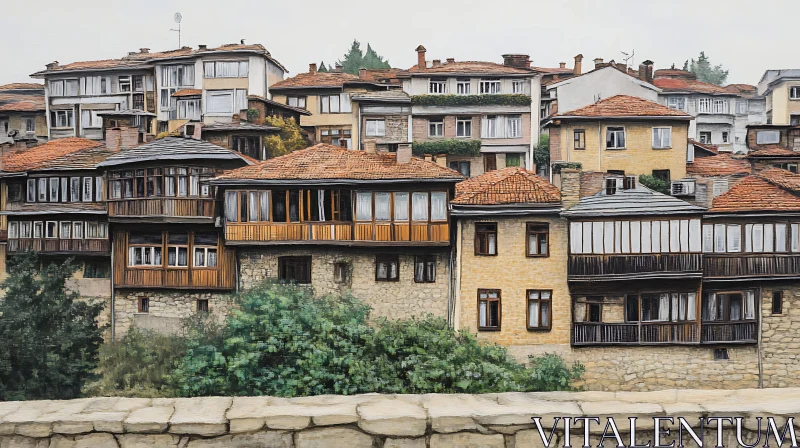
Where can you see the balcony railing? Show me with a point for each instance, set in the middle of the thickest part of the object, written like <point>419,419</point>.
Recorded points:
<point>58,245</point>
<point>751,265</point>
<point>725,332</point>
<point>339,232</point>
<point>615,266</point>
<point>162,207</point>
<point>635,333</point>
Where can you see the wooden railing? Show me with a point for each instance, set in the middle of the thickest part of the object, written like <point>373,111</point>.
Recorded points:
<point>635,333</point>
<point>620,264</point>
<point>751,265</point>
<point>715,332</point>
<point>54,245</point>
<point>162,207</point>
<point>414,233</point>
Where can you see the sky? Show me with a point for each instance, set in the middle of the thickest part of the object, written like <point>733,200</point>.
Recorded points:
<point>745,36</point>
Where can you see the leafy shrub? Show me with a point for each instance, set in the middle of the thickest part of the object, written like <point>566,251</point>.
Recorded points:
<point>516,99</point>
<point>452,147</point>
<point>558,166</point>
<point>550,373</point>
<point>654,183</point>
<point>290,137</point>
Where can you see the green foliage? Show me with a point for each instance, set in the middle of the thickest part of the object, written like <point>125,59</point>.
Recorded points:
<point>550,373</point>
<point>252,114</point>
<point>290,138</point>
<point>541,152</point>
<point>558,166</point>
<point>515,99</point>
<point>654,183</point>
<point>50,339</point>
<point>705,71</point>
<point>322,68</point>
<point>452,147</point>
<point>282,341</point>
<point>355,59</point>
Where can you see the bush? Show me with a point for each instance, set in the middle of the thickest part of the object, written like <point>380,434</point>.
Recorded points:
<point>290,137</point>
<point>516,99</point>
<point>654,183</point>
<point>452,147</point>
<point>558,166</point>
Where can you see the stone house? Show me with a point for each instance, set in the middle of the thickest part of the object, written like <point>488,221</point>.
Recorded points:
<point>22,113</point>
<point>774,145</point>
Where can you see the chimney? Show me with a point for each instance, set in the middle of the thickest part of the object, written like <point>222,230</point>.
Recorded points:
<point>598,62</point>
<point>578,65</point>
<point>338,68</point>
<point>622,67</point>
<point>241,41</point>
<point>403,153</point>
<point>122,137</point>
<point>131,53</point>
<point>369,147</point>
<point>437,63</point>
<point>562,65</point>
<point>648,70</point>
<point>202,47</point>
<point>441,160</point>
<point>570,187</point>
<point>429,157</point>
<point>362,73</point>
<point>312,68</point>
<point>144,50</point>
<point>642,72</point>
<point>421,57</point>
<point>516,60</point>
<point>451,60</point>
<point>52,65</point>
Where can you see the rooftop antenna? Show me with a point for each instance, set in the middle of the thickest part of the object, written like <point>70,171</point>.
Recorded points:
<point>178,17</point>
<point>628,57</point>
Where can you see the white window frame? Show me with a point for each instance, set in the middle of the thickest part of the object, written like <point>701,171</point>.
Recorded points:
<point>513,126</point>
<point>30,125</point>
<point>720,106</point>
<point>518,87</point>
<point>676,102</point>
<point>490,86</point>
<point>701,136</point>
<point>794,93</point>
<point>30,191</point>
<point>375,127</point>
<point>56,87</point>
<point>616,129</point>
<point>462,123</point>
<point>463,87</point>
<point>296,101</point>
<point>47,228</point>
<point>725,137</point>
<point>220,94</point>
<point>13,229</point>
<point>87,188</point>
<point>704,105</point>
<point>437,86</point>
<point>762,137</point>
<point>662,137</point>
<point>741,107</point>
<point>67,114</point>
<point>438,127</point>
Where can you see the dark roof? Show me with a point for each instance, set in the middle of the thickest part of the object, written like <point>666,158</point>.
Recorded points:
<point>512,185</point>
<point>86,159</point>
<point>624,106</point>
<point>273,103</point>
<point>172,148</point>
<point>383,96</point>
<point>772,190</point>
<point>38,156</point>
<point>240,126</point>
<point>709,148</point>
<point>639,201</point>
<point>684,85</point>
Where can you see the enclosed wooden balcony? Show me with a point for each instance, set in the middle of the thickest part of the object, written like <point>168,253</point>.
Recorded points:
<point>751,266</point>
<point>620,266</point>
<point>729,332</point>
<point>635,333</point>
<point>59,246</point>
<point>345,233</point>
<point>162,209</point>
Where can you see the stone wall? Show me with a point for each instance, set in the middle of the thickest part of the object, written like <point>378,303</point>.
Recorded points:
<point>379,421</point>
<point>400,299</point>
<point>780,336</point>
<point>167,308</point>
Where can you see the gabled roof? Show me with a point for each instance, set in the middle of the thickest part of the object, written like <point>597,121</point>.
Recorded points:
<point>85,159</point>
<point>507,186</point>
<point>741,89</point>
<point>685,85</point>
<point>638,201</point>
<point>633,78</point>
<point>772,190</point>
<point>624,106</point>
<point>172,148</point>
<point>707,147</point>
<point>719,165</point>
<point>772,151</point>
<point>325,163</point>
<point>383,96</point>
<point>41,156</point>
<point>299,110</point>
<point>19,102</point>
<point>318,79</point>
<point>471,67</point>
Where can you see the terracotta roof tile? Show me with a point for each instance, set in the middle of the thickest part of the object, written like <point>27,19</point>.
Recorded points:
<point>745,89</point>
<point>478,67</point>
<point>624,106</point>
<point>553,70</point>
<point>39,156</point>
<point>782,178</point>
<point>706,146</point>
<point>85,159</point>
<point>10,102</point>
<point>315,80</point>
<point>760,193</point>
<point>325,161</point>
<point>385,76</point>
<point>673,73</point>
<point>507,186</point>
<point>188,92</point>
<point>773,151</point>
<point>22,86</point>
<point>719,165</point>
<point>687,85</point>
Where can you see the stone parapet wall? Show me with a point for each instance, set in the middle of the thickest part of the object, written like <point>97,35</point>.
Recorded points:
<point>376,421</point>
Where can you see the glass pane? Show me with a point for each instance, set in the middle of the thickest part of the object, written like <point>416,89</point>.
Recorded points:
<point>438,206</point>
<point>383,206</point>
<point>533,313</point>
<point>364,206</point>
<point>419,205</point>
<point>401,206</point>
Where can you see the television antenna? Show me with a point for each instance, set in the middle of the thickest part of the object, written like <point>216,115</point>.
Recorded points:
<point>178,17</point>
<point>628,57</point>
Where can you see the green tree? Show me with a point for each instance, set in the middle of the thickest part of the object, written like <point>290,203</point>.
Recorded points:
<point>290,138</point>
<point>654,183</point>
<point>541,152</point>
<point>355,59</point>
<point>322,68</point>
<point>372,60</point>
<point>50,338</point>
<point>706,72</point>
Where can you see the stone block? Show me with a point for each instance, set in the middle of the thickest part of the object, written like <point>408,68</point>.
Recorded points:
<point>405,443</point>
<point>454,413</point>
<point>148,440</point>
<point>467,440</point>
<point>201,416</point>
<point>620,411</point>
<point>153,419</point>
<point>96,440</point>
<point>532,439</point>
<point>272,439</point>
<point>247,414</point>
<point>392,417</point>
<point>332,438</point>
<point>23,442</point>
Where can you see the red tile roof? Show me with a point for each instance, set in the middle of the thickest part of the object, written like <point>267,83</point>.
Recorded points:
<point>688,85</point>
<point>188,92</point>
<point>477,67</point>
<point>719,165</point>
<point>624,106</point>
<point>773,151</point>
<point>673,73</point>
<point>317,79</point>
<point>771,190</point>
<point>507,186</point>
<point>745,89</point>
<point>22,86</point>
<point>16,102</point>
<point>783,178</point>
<point>39,156</point>
<point>325,161</point>
<point>384,76</point>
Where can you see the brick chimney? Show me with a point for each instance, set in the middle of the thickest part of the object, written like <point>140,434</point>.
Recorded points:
<point>51,65</point>
<point>369,147</point>
<point>576,70</point>
<point>312,68</point>
<point>421,57</point>
<point>516,60</point>
<point>362,73</point>
<point>403,153</point>
<point>570,187</point>
<point>642,72</point>
<point>598,62</point>
<point>451,60</point>
<point>562,65</point>
<point>202,47</point>
<point>648,70</point>
<point>436,63</point>
<point>123,137</point>
<point>622,67</point>
<point>144,50</point>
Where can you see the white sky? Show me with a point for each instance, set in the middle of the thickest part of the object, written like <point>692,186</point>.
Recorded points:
<point>745,36</point>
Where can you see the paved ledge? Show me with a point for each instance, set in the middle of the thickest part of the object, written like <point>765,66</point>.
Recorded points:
<point>370,420</point>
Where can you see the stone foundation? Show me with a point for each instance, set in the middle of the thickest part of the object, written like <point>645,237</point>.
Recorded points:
<point>167,308</point>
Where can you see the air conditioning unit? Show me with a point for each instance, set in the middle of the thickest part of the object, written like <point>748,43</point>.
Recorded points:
<point>684,187</point>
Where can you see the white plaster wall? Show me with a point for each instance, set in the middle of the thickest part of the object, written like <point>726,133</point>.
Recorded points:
<point>607,82</point>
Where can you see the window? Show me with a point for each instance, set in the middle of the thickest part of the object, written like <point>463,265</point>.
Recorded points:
<point>144,305</point>
<point>387,268</point>
<point>615,137</point>
<point>777,302</point>
<point>13,229</point>
<point>704,105</point>
<point>728,306</point>
<point>436,127</point>
<point>41,188</point>
<point>741,107</point>
<point>38,227</point>
<point>88,184</point>
<point>463,126</point>
<point>539,307</point>
<point>334,104</point>
<point>724,137</point>
<point>30,125</point>
<point>579,139</point>
<point>205,250</point>
<point>425,269</point>
<point>720,354</point>
<point>537,240</point>
<point>77,230</point>
<point>662,138</point>
<point>189,110</point>
<point>219,101</point>
<point>25,229</point>
<point>51,229</point>
<point>295,269</point>
<point>31,196</point>
<point>56,88</point>
<point>489,128</point>
<point>461,166</point>
<point>342,273</point>
<point>90,119</point>
<point>96,269</point>
<point>486,238</point>
<point>463,87</point>
<point>794,93</point>
<point>513,159</point>
<point>296,101</point>
<point>124,83</point>
<point>514,126</point>
<point>489,310</point>
<point>178,250</point>
<point>364,206</point>
<point>54,189</point>
<point>62,119</point>
<point>518,87</point>
<point>14,192</point>
<point>489,162</point>
<point>661,175</point>
<point>720,106</point>
<point>202,305</point>
<point>437,86</point>
<point>705,137</point>
<point>225,69</point>
<point>438,205</point>
<point>97,85</point>
<point>144,250</point>
<point>71,87</point>
<point>677,102</point>
<point>376,128</point>
<point>768,137</point>
<point>489,86</point>
<point>608,237</point>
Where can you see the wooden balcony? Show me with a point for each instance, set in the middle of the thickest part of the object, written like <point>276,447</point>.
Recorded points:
<point>751,265</point>
<point>344,233</point>
<point>729,332</point>
<point>162,209</point>
<point>621,266</point>
<point>58,246</point>
<point>635,333</point>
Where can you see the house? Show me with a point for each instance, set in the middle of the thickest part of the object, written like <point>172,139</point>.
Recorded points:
<point>709,177</point>
<point>385,118</point>
<point>722,114</point>
<point>22,112</point>
<point>511,268</point>
<point>375,224</point>
<point>774,145</point>
<point>242,136</point>
<point>260,107</point>
<point>624,135</point>
<point>477,114</point>
<point>781,88</point>
<point>553,75</point>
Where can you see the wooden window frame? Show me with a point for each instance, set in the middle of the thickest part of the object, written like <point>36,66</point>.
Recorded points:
<point>388,259</point>
<point>530,230</point>
<point>284,262</point>
<point>177,246</point>
<point>157,177</point>
<point>143,305</point>
<point>540,300</point>
<point>499,301</point>
<point>579,139</point>
<point>481,229</point>
<point>343,273</point>
<point>203,306</point>
<point>777,303</point>
<point>425,259</point>
<point>725,305</point>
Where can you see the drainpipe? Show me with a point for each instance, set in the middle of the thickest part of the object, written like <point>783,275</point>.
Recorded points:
<point>600,146</point>
<point>358,129</point>
<point>760,331</point>
<point>113,298</point>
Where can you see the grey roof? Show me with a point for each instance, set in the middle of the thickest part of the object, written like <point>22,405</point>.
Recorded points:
<point>241,126</point>
<point>383,96</point>
<point>299,110</point>
<point>639,201</point>
<point>172,148</point>
<point>127,113</point>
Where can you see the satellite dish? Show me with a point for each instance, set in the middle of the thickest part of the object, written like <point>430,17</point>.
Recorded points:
<point>178,17</point>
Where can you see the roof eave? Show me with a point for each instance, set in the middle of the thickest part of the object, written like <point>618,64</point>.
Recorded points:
<point>623,117</point>
<point>331,182</point>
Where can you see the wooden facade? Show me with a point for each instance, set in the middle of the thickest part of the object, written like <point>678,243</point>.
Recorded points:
<point>730,266</point>
<point>162,208</point>
<point>615,266</point>
<point>59,246</point>
<point>339,232</point>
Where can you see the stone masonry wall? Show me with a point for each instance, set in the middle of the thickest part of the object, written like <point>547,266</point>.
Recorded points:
<point>383,421</point>
<point>397,300</point>
<point>167,308</point>
<point>780,336</point>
